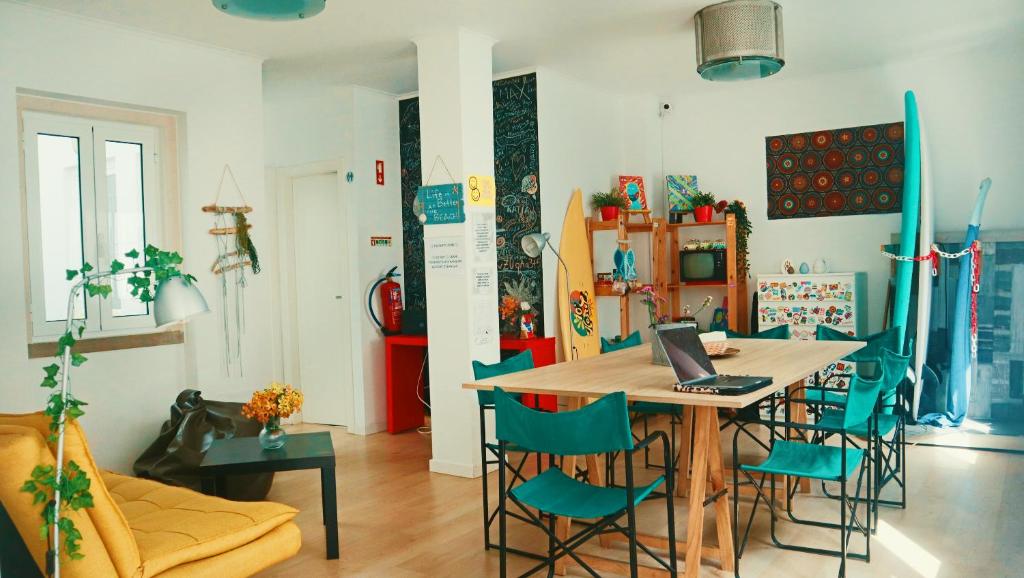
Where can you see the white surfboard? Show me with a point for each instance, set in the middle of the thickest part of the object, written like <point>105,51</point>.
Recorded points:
<point>926,236</point>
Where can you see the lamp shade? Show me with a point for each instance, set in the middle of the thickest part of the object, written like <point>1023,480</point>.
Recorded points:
<point>271,9</point>
<point>533,245</point>
<point>739,40</point>
<point>177,300</point>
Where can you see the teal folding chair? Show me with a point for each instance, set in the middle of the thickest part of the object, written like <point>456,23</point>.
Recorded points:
<point>797,459</point>
<point>644,410</point>
<point>752,412</point>
<point>597,428</point>
<point>489,451</point>
<point>889,456</point>
<point>618,342</point>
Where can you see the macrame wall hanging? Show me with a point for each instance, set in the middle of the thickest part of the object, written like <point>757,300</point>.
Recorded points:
<point>235,252</point>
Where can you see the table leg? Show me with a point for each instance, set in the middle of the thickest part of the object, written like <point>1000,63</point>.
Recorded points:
<point>329,493</point>
<point>569,468</point>
<point>704,418</point>
<point>723,521</point>
<point>685,440</point>
<point>220,487</point>
<point>208,486</point>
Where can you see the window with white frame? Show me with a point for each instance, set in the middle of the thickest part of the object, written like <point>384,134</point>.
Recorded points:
<point>93,194</point>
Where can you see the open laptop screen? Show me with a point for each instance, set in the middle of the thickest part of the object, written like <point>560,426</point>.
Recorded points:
<point>686,354</point>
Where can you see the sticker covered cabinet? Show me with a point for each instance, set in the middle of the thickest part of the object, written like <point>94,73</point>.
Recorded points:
<point>804,301</point>
<point>838,300</point>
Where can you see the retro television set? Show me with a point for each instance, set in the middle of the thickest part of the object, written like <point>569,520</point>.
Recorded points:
<point>702,265</point>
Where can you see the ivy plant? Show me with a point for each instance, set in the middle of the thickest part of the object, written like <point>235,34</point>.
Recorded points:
<point>75,483</point>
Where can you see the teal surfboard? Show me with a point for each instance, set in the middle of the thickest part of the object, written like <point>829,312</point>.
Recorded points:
<point>911,213</point>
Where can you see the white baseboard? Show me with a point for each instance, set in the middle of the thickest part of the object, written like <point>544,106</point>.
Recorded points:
<point>461,470</point>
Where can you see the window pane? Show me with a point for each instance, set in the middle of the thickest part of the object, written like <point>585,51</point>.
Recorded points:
<point>60,209</point>
<point>127,220</point>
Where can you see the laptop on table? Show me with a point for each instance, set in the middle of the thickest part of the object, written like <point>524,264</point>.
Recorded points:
<point>695,372</point>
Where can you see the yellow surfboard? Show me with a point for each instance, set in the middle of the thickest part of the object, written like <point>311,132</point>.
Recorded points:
<point>577,304</point>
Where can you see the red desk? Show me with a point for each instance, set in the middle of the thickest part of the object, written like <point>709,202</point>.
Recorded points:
<point>403,360</point>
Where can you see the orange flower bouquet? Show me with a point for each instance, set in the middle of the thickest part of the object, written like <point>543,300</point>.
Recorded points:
<point>268,406</point>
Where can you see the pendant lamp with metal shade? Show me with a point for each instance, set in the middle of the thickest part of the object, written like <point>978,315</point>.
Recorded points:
<point>739,40</point>
<point>271,9</point>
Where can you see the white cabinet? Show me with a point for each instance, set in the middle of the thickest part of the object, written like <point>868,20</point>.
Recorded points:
<point>838,300</point>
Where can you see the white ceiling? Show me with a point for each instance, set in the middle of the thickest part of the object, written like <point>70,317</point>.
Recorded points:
<point>631,45</point>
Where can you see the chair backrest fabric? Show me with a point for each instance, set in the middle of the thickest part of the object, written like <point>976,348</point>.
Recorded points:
<point>519,362</point>
<point>861,400</point>
<point>894,371</point>
<point>609,345</point>
<point>875,343</point>
<point>598,427</point>
<point>780,332</point>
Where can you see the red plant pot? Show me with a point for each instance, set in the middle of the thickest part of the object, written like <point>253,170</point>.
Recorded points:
<point>703,214</point>
<point>609,213</point>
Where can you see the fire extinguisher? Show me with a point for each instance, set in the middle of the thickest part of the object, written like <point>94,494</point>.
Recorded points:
<point>390,301</point>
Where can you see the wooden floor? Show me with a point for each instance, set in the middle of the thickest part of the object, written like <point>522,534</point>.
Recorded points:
<point>965,518</point>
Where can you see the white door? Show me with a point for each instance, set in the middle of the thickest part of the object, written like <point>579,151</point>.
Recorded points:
<point>322,308</point>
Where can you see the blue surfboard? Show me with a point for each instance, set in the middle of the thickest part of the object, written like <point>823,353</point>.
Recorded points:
<point>911,214</point>
<point>961,370</point>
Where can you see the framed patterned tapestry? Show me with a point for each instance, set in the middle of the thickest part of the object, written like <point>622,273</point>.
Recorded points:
<point>846,171</point>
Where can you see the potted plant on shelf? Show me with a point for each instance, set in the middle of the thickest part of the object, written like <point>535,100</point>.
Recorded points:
<point>609,204</point>
<point>703,206</point>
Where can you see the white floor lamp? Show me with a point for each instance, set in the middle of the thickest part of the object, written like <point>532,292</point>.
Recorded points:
<point>176,300</point>
<point>533,245</point>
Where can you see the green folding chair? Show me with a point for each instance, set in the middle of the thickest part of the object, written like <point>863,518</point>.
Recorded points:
<point>753,411</point>
<point>644,410</point>
<point>597,428</point>
<point>489,451</point>
<point>889,456</point>
<point>618,342</point>
<point>797,459</point>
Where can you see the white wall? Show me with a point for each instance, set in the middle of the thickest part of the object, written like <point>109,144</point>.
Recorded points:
<point>588,136</point>
<point>358,126</point>
<point>218,94</point>
<point>970,106</point>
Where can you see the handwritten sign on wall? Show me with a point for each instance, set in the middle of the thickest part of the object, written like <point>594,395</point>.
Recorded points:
<point>443,204</point>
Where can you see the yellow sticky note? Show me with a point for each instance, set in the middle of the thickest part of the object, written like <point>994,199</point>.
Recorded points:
<point>480,190</point>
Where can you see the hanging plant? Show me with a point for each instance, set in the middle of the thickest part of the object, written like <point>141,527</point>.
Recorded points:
<point>74,482</point>
<point>743,230</point>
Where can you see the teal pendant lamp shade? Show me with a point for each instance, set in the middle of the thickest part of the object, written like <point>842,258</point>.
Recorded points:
<point>271,9</point>
<point>739,40</point>
<point>177,300</point>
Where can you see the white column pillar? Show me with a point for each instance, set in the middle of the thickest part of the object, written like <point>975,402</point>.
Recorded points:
<point>456,124</point>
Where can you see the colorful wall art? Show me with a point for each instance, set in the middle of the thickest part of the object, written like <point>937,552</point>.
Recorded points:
<point>846,171</point>
<point>517,202</point>
<point>413,277</point>
<point>680,189</point>
<point>632,188</point>
<point>516,170</point>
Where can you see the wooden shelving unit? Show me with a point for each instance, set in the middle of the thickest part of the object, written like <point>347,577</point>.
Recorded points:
<point>655,229</point>
<point>735,283</point>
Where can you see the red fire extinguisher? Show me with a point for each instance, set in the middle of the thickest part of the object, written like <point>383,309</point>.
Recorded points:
<point>390,301</point>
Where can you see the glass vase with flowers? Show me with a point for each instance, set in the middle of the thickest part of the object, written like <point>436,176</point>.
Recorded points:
<point>268,406</point>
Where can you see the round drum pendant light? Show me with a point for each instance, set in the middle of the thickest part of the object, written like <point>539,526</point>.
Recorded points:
<point>271,9</point>
<point>739,40</point>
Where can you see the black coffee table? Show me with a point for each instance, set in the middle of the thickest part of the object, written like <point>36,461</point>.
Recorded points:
<point>303,451</point>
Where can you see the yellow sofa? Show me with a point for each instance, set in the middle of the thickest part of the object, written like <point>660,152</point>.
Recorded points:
<point>140,528</point>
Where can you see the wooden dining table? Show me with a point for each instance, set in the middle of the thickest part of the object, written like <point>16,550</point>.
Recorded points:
<point>787,362</point>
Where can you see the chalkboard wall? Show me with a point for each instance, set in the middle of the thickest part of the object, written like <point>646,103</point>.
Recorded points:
<point>517,179</point>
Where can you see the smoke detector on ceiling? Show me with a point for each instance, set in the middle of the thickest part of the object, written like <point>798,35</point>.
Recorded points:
<point>739,40</point>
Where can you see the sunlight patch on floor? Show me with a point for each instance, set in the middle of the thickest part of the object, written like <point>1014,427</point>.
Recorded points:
<point>915,557</point>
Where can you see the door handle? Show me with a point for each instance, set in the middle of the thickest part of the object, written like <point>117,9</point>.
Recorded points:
<point>337,296</point>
